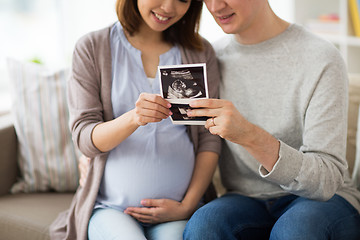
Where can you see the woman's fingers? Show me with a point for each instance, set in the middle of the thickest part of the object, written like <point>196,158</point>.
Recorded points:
<point>154,98</point>
<point>83,165</point>
<point>142,214</point>
<point>151,108</point>
<point>147,108</point>
<point>142,217</point>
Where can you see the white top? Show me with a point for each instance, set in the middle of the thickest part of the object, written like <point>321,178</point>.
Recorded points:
<point>157,160</point>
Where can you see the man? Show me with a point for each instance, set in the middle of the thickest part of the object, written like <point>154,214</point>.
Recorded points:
<point>284,124</point>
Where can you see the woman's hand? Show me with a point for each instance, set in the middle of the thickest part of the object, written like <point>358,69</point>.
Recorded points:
<point>159,210</point>
<point>151,108</point>
<point>226,121</point>
<point>148,108</point>
<point>84,163</point>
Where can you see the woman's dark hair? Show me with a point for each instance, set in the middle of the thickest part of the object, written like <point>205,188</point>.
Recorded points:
<point>185,32</point>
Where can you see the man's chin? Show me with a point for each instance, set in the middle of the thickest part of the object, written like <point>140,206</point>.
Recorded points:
<point>227,29</point>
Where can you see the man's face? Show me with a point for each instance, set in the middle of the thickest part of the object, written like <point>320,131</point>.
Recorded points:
<point>235,16</point>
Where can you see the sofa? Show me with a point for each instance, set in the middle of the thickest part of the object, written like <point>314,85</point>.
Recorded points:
<point>29,215</point>
<point>25,216</point>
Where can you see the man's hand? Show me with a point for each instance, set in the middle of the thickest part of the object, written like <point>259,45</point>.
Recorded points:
<point>226,121</point>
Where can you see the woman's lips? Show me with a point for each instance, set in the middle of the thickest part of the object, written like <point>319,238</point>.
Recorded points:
<point>160,18</point>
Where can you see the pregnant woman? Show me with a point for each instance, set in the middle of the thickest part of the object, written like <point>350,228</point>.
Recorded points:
<point>146,176</point>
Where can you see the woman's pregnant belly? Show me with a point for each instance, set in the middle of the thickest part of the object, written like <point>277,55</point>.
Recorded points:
<point>155,166</point>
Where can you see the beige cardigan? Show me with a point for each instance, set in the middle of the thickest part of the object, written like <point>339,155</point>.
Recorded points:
<point>89,99</point>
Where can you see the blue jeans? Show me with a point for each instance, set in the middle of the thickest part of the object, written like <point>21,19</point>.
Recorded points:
<point>234,216</point>
<point>108,223</point>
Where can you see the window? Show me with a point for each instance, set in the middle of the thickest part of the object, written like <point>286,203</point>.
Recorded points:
<point>47,30</point>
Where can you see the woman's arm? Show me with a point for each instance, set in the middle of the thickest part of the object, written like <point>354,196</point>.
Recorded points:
<point>206,163</point>
<point>164,210</point>
<point>91,131</point>
<point>148,108</point>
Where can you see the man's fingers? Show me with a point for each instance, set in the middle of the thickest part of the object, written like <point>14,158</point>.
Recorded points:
<point>202,112</point>
<point>206,103</point>
<point>206,107</point>
<point>215,130</point>
<point>209,123</point>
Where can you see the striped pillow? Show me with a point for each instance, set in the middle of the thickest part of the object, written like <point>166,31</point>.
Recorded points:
<point>47,157</point>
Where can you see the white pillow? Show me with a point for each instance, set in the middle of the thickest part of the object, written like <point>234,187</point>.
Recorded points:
<point>47,157</point>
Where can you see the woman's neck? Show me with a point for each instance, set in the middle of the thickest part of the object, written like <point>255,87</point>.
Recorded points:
<point>146,38</point>
<point>152,45</point>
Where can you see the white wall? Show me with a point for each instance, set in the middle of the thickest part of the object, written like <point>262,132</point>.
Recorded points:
<point>48,29</point>
<point>284,9</point>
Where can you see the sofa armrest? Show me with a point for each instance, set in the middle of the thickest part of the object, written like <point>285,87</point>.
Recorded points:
<point>8,154</point>
<point>353,112</point>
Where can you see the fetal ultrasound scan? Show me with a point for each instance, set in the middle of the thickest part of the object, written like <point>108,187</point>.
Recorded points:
<point>179,85</point>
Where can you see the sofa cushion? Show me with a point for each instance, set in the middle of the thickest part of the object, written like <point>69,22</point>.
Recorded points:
<point>29,215</point>
<point>8,143</point>
<point>47,157</point>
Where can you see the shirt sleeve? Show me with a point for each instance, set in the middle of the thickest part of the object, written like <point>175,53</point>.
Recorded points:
<point>202,139</point>
<point>317,169</point>
<point>208,141</point>
<point>85,107</point>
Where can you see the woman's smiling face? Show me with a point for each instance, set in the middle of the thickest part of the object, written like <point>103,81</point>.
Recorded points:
<point>161,14</point>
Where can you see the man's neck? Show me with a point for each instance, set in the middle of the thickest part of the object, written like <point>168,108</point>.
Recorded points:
<point>265,27</point>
